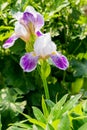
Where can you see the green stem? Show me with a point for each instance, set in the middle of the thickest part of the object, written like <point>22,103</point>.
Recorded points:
<point>64,75</point>
<point>45,87</point>
<point>43,76</point>
<point>29,46</point>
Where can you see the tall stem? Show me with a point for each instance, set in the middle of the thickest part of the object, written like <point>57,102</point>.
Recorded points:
<point>45,87</point>
<point>43,76</point>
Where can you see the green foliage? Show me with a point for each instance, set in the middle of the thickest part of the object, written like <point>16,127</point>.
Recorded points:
<point>9,106</point>
<point>67,113</point>
<point>66,20</point>
<point>0,122</point>
<point>77,85</point>
<point>83,127</point>
<point>38,114</point>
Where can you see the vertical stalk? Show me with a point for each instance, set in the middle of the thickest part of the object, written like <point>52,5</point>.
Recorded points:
<point>45,87</point>
<point>43,76</point>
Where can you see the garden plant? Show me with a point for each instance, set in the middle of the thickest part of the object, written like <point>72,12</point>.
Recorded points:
<point>43,65</point>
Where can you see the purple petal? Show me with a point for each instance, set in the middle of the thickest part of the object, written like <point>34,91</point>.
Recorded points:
<point>28,17</point>
<point>10,42</point>
<point>60,61</point>
<point>39,33</point>
<point>39,22</point>
<point>28,62</point>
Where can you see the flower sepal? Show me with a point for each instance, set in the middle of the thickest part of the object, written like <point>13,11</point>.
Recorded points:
<point>28,62</point>
<point>60,61</point>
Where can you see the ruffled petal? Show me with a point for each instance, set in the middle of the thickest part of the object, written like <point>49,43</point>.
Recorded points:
<point>60,61</point>
<point>44,46</point>
<point>10,42</point>
<point>31,10</point>
<point>35,18</point>
<point>21,31</point>
<point>39,22</point>
<point>18,15</point>
<point>28,62</point>
<point>28,17</point>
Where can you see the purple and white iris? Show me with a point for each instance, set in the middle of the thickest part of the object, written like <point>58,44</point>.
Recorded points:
<point>29,22</point>
<point>44,48</point>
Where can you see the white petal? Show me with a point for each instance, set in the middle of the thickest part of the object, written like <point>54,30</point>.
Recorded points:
<point>18,15</point>
<point>20,30</point>
<point>31,10</point>
<point>44,46</point>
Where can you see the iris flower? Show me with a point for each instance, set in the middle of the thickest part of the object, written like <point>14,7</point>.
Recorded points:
<point>29,22</point>
<point>44,48</point>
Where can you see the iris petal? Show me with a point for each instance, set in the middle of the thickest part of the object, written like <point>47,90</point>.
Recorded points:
<point>28,62</point>
<point>18,15</point>
<point>28,17</point>
<point>10,42</point>
<point>21,31</point>
<point>31,10</point>
<point>39,22</point>
<point>44,46</point>
<point>60,61</point>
